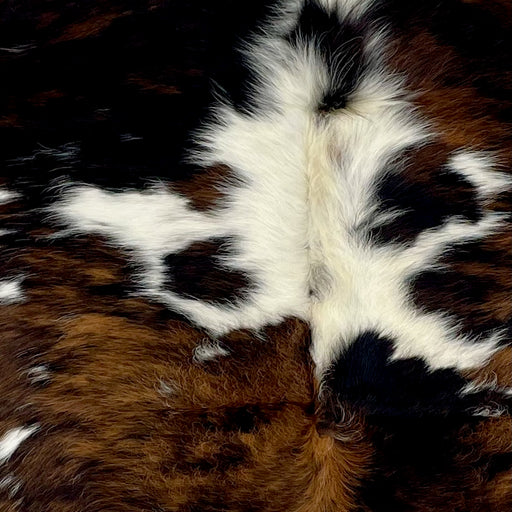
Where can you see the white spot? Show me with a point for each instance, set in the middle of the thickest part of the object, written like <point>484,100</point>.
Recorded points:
<point>209,350</point>
<point>10,291</point>
<point>167,389</point>
<point>10,441</point>
<point>353,9</point>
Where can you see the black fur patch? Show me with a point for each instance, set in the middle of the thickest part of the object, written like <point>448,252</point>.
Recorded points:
<point>117,108</point>
<point>425,205</point>
<point>198,273</point>
<point>341,45</point>
<point>415,418</point>
<point>364,376</point>
<point>455,292</point>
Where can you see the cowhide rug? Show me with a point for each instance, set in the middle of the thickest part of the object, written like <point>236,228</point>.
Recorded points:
<point>255,256</point>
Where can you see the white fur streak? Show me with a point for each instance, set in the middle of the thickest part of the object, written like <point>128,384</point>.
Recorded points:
<point>208,351</point>
<point>487,385</point>
<point>489,411</point>
<point>347,8</point>
<point>480,170</point>
<point>167,388</point>
<point>7,196</point>
<point>11,440</point>
<point>10,291</point>
<point>12,484</point>
<point>38,374</point>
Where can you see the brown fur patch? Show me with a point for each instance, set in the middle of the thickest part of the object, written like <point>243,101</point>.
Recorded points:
<point>498,370</point>
<point>131,422</point>
<point>206,189</point>
<point>444,93</point>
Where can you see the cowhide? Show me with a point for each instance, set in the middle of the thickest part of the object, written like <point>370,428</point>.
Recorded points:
<point>255,256</point>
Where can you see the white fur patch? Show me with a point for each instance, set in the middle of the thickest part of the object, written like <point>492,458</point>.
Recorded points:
<point>368,290</point>
<point>10,291</point>
<point>268,227</point>
<point>299,218</point>
<point>11,440</point>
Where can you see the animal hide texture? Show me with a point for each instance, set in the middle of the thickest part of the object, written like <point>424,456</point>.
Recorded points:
<point>255,256</point>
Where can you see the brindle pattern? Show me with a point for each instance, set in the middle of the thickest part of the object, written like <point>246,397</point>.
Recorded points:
<point>127,418</point>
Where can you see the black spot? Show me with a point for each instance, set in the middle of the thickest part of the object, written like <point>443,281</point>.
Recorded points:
<point>198,273</point>
<point>365,376</point>
<point>415,418</point>
<point>468,297</point>
<point>499,463</point>
<point>230,70</point>
<point>425,204</point>
<point>341,45</point>
<point>246,419</point>
<point>453,285</point>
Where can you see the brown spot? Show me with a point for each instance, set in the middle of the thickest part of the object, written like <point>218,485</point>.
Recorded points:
<point>199,272</point>
<point>336,468</point>
<point>207,187</point>
<point>89,27</point>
